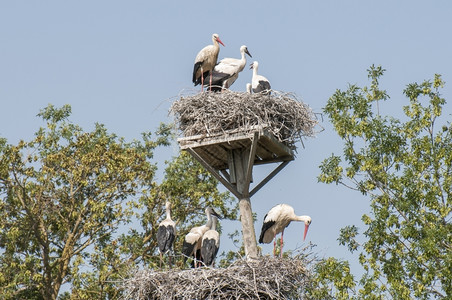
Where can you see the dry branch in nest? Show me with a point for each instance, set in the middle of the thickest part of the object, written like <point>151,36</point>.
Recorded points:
<point>265,278</point>
<point>282,114</point>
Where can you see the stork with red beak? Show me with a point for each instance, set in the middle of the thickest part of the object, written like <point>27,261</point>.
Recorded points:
<point>276,220</point>
<point>206,60</point>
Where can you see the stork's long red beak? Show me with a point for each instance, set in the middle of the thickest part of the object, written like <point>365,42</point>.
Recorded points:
<point>306,227</point>
<point>219,41</point>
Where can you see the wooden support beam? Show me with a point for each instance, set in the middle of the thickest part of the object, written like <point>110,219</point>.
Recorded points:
<point>250,163</point>
<point>268,178</point>
<point>226,175</point>
<point>230,158</point>
<point>215,173</point>
<point>246,213</point>
<point>231,165</point>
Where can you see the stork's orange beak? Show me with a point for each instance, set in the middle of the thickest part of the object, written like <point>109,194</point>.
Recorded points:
<point>306,227</point>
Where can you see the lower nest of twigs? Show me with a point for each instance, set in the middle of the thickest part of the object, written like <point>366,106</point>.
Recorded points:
<point>282,114</point>
<point>264,278</point>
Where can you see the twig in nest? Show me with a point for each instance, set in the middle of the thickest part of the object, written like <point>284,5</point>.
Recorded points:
<point>265,278</point>
<point>287,118</point>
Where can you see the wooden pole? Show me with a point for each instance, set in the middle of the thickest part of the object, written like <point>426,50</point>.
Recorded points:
<point>233,152</point>
<point>240,160</point>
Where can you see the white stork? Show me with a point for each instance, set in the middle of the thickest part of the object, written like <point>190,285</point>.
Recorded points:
<point>206,60</point>
<point>227,70</point>
<point>193,240</point>
<point>276,220</point>
<point>210,244</point>
<point>166,233</point>
<point>259,83</point>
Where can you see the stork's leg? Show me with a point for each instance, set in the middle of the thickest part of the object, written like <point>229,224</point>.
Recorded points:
<point>195,260</point>
<point>210,82</point>
<point>161,259</point>
<point>274,245</point>
<point>282,243</point>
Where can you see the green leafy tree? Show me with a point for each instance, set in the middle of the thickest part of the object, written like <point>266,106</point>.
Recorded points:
<point>190,188</point>
<point>404,167</point>
<point>63,195</point>
<point>331,279</point>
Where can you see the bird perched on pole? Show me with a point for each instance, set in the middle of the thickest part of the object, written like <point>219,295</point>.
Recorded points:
<point>205,61</point>
<point>259,83</point>
<point>166,233</point>
<point>210,244</point>
<point>227,70</point>
<point>191,246</point>
<point>276,220</point>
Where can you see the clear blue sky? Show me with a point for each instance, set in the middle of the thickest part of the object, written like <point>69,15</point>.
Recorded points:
<point>122,63</point>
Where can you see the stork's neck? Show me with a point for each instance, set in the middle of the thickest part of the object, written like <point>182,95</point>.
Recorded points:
<point>254,71</point>
<point>216,44</point>
<point>209,222</point>
<point>302,218</point>
<point>243,56</point>
<point>209,218</point>
<point>214,223</point>
<point>168,210</point>
<point>242,61</point>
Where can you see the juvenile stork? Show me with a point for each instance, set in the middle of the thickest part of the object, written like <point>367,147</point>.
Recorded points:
<point>193,240</point>
<point>227,70</point>
<point>205,61</point>
<point>276,220</point>
<point>210,244</point>
<point>259,83</point>
<point>166,233</point>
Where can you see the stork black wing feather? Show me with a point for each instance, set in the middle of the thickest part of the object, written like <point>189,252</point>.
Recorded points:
<point>165,238</point>
<point>265,227</point>
<point>209,251</point>
<point>265,85</point>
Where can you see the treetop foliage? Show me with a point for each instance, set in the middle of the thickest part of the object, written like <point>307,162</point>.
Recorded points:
<point>68,196</point>
<point>405,168</point>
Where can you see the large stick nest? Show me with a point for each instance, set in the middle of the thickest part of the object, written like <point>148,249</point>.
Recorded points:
<point>265,278</point>
<point>282,114</point>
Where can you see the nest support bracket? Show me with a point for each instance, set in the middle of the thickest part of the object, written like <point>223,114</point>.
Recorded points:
<point>241,163</point>
<point>239,153</point>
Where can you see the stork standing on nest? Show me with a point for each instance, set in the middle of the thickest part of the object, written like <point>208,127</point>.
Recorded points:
<point>276,220</point>
<point>205,61</point>
<point>166,233</point>
<point>210,244</point>
<point>227,70</point>
<point>193,240</point>
<point>259,83</point>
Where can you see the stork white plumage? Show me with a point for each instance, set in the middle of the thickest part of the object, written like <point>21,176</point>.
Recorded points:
<point>166,233</point>
<point>248,88</point>
<point>227,70</point>
<point>206,60</point>
<point>276,220</point>
<point>210,244</point>
<point>259,83</point>
<point>193,240</point>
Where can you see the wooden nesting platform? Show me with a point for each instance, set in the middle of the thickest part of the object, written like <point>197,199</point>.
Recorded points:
<point>216,149</point>
<point>238,152</point>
